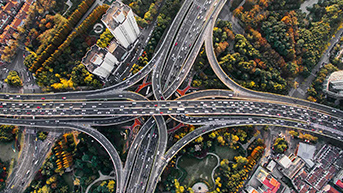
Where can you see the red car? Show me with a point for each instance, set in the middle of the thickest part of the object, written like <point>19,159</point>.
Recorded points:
<point>38,107</point>
<point>64,98</point>
<point>176,44</point>
<point>43,98</point>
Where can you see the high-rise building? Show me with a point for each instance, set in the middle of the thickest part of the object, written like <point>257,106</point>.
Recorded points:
<point>119,19</point>
<point>100,62</point>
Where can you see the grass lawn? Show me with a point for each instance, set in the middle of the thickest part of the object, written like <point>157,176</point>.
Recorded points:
<point>225,152</point>
<point>6,152</point>
<point>197,169</point>
<point>68,178</point>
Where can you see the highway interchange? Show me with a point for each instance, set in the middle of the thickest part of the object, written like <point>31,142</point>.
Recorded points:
<point>214,109</point>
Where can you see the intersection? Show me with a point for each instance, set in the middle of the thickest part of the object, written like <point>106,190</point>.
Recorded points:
<point>213,109</point>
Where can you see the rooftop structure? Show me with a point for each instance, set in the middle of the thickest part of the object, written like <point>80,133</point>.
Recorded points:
<point>327,155</point>
<point>271,165</point>
<point>285,161</point>
<point>318,177</point>
<point>13,18</point>
<point>339,183</point>
<point>268,183</point>
<point>117,50</point>
<point>330,189</point>
<point>119,19</point>
<point>99,61</point>
<point>291,165</point>
<point>306,152</point>
<point>8,11</point>
<point>333,85</point>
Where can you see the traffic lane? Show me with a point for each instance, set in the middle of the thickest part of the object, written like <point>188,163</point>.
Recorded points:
<point>176,83</point>
<point>180,42</point>
<point>136,144</point>
<point>133,181</point>
<point>324,120</point>
<point>186,42</point>
<point>147,161</point>
<point>211,106</point>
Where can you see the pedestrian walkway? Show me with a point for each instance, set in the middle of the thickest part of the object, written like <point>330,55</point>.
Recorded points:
<point>102,177</point>
<point>218,164</point>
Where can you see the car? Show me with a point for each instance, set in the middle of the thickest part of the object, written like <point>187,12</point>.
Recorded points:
<point>161,113</point>
<point>38,107</point>
<point>176,44</point>
<point>43,98</point>
<point>64,98</point>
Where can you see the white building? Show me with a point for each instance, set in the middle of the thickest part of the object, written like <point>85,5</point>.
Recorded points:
<point>306,152</point>
<point>119,19</point>
<point>100,62</point>
<point>333,85</point>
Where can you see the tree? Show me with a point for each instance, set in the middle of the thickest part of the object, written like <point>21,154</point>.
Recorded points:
<point>241,161</point>
<point>280,145</point>
<point>293,133</point>
<point>13,79</point>
<point>9,51</point>
<point>105,39</point>
<point>111,186</point>
<point>42,135</point>
<point>141,22</point>
<point>221,140</point>
<point>8,133</point>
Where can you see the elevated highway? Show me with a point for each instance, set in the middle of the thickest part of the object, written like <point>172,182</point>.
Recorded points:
<point>213,109</point>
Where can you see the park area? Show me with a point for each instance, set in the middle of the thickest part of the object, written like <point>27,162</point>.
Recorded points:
<point>195,169</point>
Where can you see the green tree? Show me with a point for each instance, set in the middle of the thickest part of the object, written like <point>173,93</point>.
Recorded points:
<point>13,79</point>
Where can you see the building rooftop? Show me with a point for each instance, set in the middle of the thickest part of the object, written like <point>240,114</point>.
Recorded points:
<point>285,161</point>
<point>115,15</point>
<point>271,165</point>
<point>293,165</point>
<point>333,84</point>
<point>306,152</point>
<point>117,50</point>
<point>318,177</point>
<point>99,61</point>
<point>330,189</point>
<point>339,183</point>
<point>327,155</point>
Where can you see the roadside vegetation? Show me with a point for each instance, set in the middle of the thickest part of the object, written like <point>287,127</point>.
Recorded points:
<point>107,186</point>
<point>42,135</point>
<point>3,174</point>
<point>75,158</point>
<point>280,145</point>
<point>232,171</point>
<point>164,19</point>
<point>145,10</point>
<point>280,42</point>
<point>204,77</point>
<point>8,133</point>
<point>13,79</point>
<point>56,62</point>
